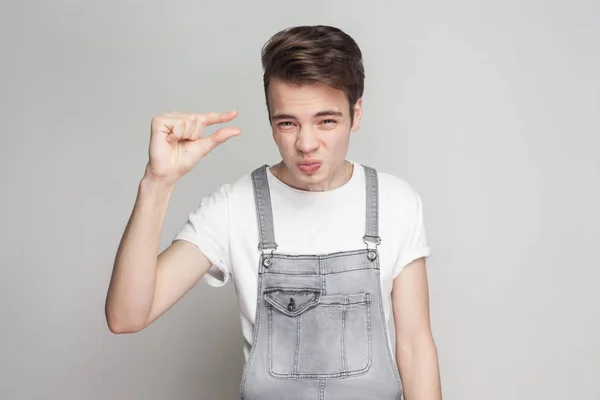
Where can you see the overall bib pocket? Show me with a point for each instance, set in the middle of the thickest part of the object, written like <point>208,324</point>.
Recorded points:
<point>317,336</point>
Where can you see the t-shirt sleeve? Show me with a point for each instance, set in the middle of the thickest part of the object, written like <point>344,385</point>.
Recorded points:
<point>208,228</point>
<point>414,239</point>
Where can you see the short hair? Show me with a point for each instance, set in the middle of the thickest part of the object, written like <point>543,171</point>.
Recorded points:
<point>310,54</point>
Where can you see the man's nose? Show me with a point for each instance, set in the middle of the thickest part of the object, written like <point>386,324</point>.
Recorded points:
<point>307,141</point>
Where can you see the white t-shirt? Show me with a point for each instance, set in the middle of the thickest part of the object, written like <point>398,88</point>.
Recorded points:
<point>224,227</point>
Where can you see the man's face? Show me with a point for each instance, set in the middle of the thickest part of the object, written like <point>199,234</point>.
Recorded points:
<point>311,126</point>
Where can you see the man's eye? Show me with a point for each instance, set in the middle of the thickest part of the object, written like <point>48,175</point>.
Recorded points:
<point>329,121</point>
<point>285,124</point>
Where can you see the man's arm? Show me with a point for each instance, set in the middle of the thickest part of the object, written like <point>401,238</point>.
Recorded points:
<point>144,286</point>
<point>416,353</point>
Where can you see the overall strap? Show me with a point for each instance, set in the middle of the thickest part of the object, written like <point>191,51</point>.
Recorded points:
<point>372,209</point>
<point>264,211</point>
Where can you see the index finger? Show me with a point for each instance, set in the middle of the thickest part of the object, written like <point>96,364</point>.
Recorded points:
<point>207,119</point>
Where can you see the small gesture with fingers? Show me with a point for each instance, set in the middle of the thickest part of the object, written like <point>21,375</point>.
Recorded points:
<point>176,144</point>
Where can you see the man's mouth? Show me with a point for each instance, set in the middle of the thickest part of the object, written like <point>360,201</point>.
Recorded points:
<point>310,166</point>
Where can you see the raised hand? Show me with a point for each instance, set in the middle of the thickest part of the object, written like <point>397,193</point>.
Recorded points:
<point>176,145</point>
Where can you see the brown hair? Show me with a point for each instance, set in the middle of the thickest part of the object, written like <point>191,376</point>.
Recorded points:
<point>310,54</point>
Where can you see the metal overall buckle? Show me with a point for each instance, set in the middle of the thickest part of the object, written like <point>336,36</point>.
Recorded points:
<point>268,259</point>
<point>372,252</point>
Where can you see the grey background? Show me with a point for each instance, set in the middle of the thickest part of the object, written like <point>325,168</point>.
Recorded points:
<point>489,109</point>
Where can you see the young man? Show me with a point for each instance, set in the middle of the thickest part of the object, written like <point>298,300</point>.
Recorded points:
<point>316,244</point>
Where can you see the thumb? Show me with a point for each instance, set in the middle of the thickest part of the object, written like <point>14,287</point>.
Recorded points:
<point>223,135</point>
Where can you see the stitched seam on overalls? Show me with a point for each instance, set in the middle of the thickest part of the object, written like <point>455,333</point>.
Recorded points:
<point>324,256</point>
<point>385,330</point>
<point>322,268</point>
<point>369,333</point>
<point>254,332</point>
<point>343,346</point>
<point>325,273</point>
<point>270,355</point>
<point>322,389</point>
<point>297,349</point>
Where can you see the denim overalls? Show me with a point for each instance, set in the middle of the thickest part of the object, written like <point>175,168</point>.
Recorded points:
<point>319,331</point>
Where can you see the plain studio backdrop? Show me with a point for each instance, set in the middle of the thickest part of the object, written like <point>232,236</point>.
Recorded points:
<point>489,109</point>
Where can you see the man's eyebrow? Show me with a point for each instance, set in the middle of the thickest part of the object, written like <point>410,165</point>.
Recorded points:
<point>275,117</point>
<point>325,113</point>
<point>328,113</point>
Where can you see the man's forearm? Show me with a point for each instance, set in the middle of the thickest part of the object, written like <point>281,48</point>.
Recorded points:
<point>133,280</point>
<point>419,370</point>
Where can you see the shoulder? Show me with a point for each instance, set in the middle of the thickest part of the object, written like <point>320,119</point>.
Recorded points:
<point>234,191</point>
<point>396,188</point>
<point>399,201</point>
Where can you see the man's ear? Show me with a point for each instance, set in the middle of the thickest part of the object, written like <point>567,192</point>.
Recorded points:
<point>357,115</point>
